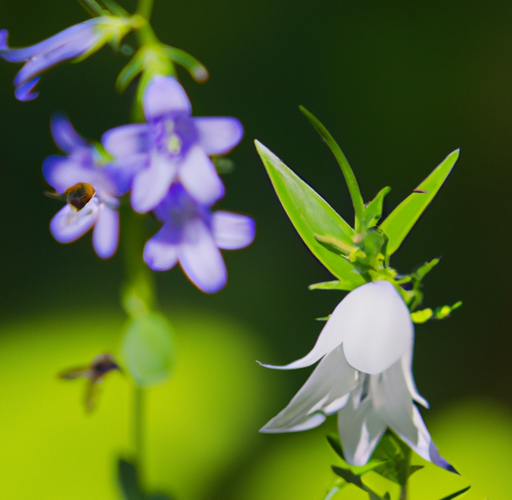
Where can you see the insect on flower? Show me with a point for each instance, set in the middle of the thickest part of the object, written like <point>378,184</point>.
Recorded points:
<point>95,372</point>
<point>76,196</point>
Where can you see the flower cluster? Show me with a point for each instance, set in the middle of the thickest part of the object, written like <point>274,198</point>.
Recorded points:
<point>165,165</point>
<point>364,375</point>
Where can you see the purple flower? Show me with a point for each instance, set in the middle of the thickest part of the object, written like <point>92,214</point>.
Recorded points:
<point>83,166</point>
<point>192,236</point>
<point>172,146</point>
<point>77,41</point>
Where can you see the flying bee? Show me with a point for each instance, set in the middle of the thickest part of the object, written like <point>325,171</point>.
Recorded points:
<point>100,366</point>
<point>76,196</point>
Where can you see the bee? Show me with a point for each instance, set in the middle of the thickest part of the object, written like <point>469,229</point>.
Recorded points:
<point>76,196</point>
<point>99,367</point>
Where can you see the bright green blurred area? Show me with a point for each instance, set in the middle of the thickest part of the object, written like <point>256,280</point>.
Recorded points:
<point>399,85</point>
<point>202,440</point>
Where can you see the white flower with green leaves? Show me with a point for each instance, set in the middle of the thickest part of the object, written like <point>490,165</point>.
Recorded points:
<point>364,375</point>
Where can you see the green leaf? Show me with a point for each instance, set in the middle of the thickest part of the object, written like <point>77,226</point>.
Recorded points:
<point>147,349</point>
<point>352,478</point>
<point>333,285</point>
<point>127,480</point>
<point>400,222</point>
<point>394,454</point>
<point>335,443</point>
<point>424,269</point>
<point>373,209</point>
<point>456,494</point>
<point>348,173</point>
<point>414,468</point>
<point>311,215</point>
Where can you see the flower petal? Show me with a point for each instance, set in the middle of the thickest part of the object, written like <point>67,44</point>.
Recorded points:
<point>392,401</point>
<point>199,177</point>
<point>164,95</point>
<point>127,140</point>
<point>161,251</point>
<point>151,184</point>
<point>232,231</point>
<point>323,393</point>
<point>424,446</point>
<point>68,225</point>
<point>330,337</point>
<point>409,379</point>
<point>218,135</point>
<point>65,136</point>
<point>377,328</point>
<point>24,92</point>
<point>105,236</point>
<point>360,430</point>
<point>62,172</point>
<point>200,258</point>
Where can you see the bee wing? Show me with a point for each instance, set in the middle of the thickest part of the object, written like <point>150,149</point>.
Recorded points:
<point>91,396</point>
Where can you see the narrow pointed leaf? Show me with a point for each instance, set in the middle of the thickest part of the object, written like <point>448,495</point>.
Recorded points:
<point>373,209</point>
<point>348,286</point>
<point>456,494</point>
<point>400,222</point>
<point>335,443</point>
<point>348,173</point>
<point>311,215</point>
<point>129,72</point>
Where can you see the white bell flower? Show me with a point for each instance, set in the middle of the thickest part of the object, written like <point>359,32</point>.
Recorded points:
<point>365,375</point>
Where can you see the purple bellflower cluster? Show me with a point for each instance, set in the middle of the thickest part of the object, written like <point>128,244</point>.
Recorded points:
<point>165,164</point>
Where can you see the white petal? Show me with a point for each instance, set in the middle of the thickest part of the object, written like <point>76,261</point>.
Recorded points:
<point>197,173</point>
<point>323,393</point>
<point>392,401</point>
<point>360,430</point>
<point>376,327</point>
<point>232,231</point>
<point>424,446</point>
<point>200,258</point>
<point>152,183</point>
<point>105,235</point>
<point>409,379</point>
<point>330,337</point>
<point>68,225</point>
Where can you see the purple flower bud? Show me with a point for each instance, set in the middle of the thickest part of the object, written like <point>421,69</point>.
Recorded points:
<point>77,41</point>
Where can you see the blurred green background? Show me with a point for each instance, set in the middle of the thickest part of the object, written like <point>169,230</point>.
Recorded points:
<point>399,85</point>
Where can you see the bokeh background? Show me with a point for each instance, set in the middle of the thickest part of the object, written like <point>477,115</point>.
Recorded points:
<point>400,84</point>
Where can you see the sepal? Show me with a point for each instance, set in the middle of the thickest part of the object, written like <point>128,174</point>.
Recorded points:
<point>442,312</point>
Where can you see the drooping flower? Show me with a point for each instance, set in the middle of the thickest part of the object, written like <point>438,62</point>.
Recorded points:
<point>75,42</point>
<point>79,172</point>
<point>365,376</point>
<point>172,146</point>
<point>192,236</point>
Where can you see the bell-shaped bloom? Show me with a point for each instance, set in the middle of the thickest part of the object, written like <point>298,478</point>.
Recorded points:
<point>364,375</point>
<point>75,42</point>
<point>192,236</point>
<point>172,146</point>
<point>67,175</point>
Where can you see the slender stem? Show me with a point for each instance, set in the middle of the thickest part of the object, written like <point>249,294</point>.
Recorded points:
<point>138,426</point>
<point>144,8</point>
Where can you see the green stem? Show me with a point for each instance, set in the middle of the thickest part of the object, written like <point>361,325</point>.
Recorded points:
<point>144,8</point>
<point>138,426</point>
